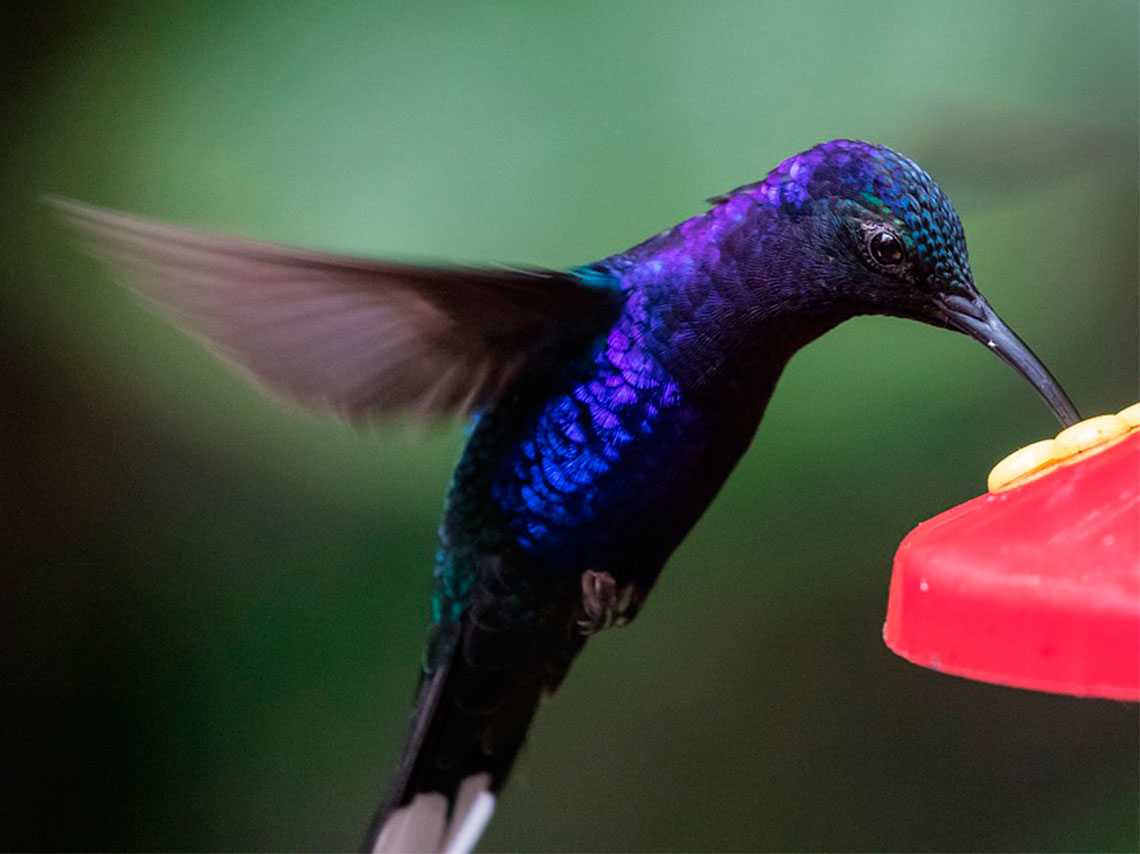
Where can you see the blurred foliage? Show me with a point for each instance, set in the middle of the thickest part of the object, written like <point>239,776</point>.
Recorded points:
<point>211,608</point>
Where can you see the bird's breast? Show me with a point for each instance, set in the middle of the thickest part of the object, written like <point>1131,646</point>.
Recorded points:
<point>611,467</point>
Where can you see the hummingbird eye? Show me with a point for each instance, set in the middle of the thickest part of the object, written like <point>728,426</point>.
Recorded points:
<point>885,248</point>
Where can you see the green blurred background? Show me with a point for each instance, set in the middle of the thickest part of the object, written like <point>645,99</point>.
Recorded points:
<point>211,607</point>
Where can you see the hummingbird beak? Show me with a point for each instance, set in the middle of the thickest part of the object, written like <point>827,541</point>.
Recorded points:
<point>974,316</point>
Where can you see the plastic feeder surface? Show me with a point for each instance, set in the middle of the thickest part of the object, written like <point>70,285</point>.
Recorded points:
<point>1036,586</point>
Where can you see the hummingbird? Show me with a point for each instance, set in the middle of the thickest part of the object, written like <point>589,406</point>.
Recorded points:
<point>607,403</point>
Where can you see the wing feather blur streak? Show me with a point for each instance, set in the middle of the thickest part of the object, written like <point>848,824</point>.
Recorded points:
<point>360,337</point>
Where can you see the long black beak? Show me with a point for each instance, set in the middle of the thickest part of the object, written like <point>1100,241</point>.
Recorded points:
<point>976,318</point>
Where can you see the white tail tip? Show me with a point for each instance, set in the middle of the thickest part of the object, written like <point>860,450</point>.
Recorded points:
<point>423,826</point>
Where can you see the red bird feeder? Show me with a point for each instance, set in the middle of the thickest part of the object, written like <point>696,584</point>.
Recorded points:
<point>1037,584</point>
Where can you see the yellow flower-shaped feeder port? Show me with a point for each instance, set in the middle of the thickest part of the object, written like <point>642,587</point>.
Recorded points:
<point>1070,445</point>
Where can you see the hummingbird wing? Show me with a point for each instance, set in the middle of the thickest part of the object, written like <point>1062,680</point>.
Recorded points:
<point>356,336</point>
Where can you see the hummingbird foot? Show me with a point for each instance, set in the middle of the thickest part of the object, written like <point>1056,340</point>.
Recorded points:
<point>604,603</point>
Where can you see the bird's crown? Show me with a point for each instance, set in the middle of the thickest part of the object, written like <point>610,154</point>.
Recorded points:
<point>876,185</point>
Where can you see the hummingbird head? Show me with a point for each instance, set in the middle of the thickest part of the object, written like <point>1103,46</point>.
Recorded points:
<point>878,236</point>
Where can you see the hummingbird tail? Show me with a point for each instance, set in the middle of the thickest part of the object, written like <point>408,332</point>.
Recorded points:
<point>470,719</point>
<point>430,822</point>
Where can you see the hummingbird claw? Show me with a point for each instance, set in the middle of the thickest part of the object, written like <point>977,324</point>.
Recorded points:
<point>604,603</point>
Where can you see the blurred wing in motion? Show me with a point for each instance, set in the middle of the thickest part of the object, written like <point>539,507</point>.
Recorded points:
<point>360,337</point>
